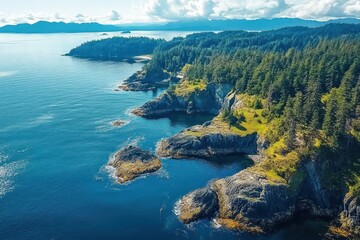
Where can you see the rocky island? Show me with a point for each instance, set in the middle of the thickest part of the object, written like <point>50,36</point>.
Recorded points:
<point>132,162</point>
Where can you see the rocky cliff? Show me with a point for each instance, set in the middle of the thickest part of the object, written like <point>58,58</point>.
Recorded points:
<point>143,81</point>
<point>246,200</point>
<point>350,217</point>
<point>207,145</point>
<point>209,100</point>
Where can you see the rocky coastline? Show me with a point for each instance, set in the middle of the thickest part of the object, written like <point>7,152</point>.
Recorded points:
<point>187,144</point>
<point>251,200</point>
<point>143,81</point>
<point>210,100</point>
<point>132,162</point>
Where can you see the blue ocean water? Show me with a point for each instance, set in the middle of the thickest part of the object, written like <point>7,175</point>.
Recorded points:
<point>56,138</point>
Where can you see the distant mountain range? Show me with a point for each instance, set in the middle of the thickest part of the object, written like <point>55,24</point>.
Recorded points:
<point>57,27</point>
<point>193,25</point>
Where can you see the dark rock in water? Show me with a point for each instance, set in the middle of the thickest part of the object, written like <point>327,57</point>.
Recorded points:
<point>141,81</point>
<point>206,145</point>
<point>209,100</point>
<point>246,199</point>
<point>118,123</point>
<point>131,162</point>
<point>199,204</point>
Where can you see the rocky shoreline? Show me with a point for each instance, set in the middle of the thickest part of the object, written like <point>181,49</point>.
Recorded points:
<point>141,81</point>
<point>255,199</point>
<point>209,100</point>
<point>249,200</point>
<point>187,144</point>
<point>131,162</point>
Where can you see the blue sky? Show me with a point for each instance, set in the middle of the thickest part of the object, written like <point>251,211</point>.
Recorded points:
<point>129,11</point>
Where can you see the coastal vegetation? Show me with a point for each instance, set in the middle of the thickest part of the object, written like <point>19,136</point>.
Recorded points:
<point>116,48</point>
<point>297,89</point>
<point>131,162</point>
<point>289,96</point>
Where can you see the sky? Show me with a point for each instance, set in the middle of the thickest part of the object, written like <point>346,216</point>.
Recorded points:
<point>149,11</point>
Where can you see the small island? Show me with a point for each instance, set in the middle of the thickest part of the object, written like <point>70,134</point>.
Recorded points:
<point>132,162</point>
<point>116,48</point>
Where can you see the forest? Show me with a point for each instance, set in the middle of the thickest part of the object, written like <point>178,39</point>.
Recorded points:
<point>306,81</point>
<point>308,76</point>
<point>115,48</point>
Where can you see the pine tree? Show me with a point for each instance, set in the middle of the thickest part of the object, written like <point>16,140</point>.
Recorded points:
<point>330,114</point>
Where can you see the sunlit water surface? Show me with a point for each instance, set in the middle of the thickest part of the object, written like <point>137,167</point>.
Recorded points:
<point>56,138</point>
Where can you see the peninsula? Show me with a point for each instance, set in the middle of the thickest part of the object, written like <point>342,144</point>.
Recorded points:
<point>289,98</point>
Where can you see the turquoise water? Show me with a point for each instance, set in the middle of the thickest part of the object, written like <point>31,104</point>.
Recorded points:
<point>56,138</point>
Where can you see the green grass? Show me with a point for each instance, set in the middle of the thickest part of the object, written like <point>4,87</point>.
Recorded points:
<point>186,87</point>
<point>253,122</point>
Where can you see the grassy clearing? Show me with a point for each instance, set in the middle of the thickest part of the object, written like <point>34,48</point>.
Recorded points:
<point>186,87</point>
<point>248,119</point>
<point>280,165</point>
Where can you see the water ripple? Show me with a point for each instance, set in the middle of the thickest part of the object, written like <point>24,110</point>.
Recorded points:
<point>8,171</point>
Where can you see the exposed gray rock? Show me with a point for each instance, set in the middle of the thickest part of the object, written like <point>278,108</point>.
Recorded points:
<point>201,203</point>
<point>350,217</point>
<point>247,198</point>
<point>209,100</point>
<point>206,146</point>
<point>131,162</point>
<point>141,81</point>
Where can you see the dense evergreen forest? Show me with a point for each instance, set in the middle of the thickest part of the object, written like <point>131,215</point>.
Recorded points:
<point>306,80</point>
<point>309,75</point>
<point>116,48</point>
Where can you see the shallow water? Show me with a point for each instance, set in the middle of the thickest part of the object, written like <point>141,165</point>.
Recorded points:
<point>56,138</point>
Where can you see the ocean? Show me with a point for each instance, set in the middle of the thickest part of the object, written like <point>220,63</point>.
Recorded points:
<point>56,138</point>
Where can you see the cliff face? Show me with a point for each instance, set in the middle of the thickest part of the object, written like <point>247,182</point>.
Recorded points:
<point>350,217</point>
<point>143,81</point>
<point>246,199</point>
<point>209,100</point>
<point>207,145</point>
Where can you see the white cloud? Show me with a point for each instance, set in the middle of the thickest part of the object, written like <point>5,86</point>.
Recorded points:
<point>179,9</point>
<point>251,9</point>
<point>114,16</point>
<point>171,10</point>
<point>352,8</point>
<point>318,9</point>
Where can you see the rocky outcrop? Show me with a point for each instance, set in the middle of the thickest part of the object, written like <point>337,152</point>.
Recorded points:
<point>209,100</point>
<point>131,162</point>
<point>192,143</point>
<point>201,203</point>
<point>350,217</point>
<point>245,199</point>
<point>143,81</point>
<point>118,123</point>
